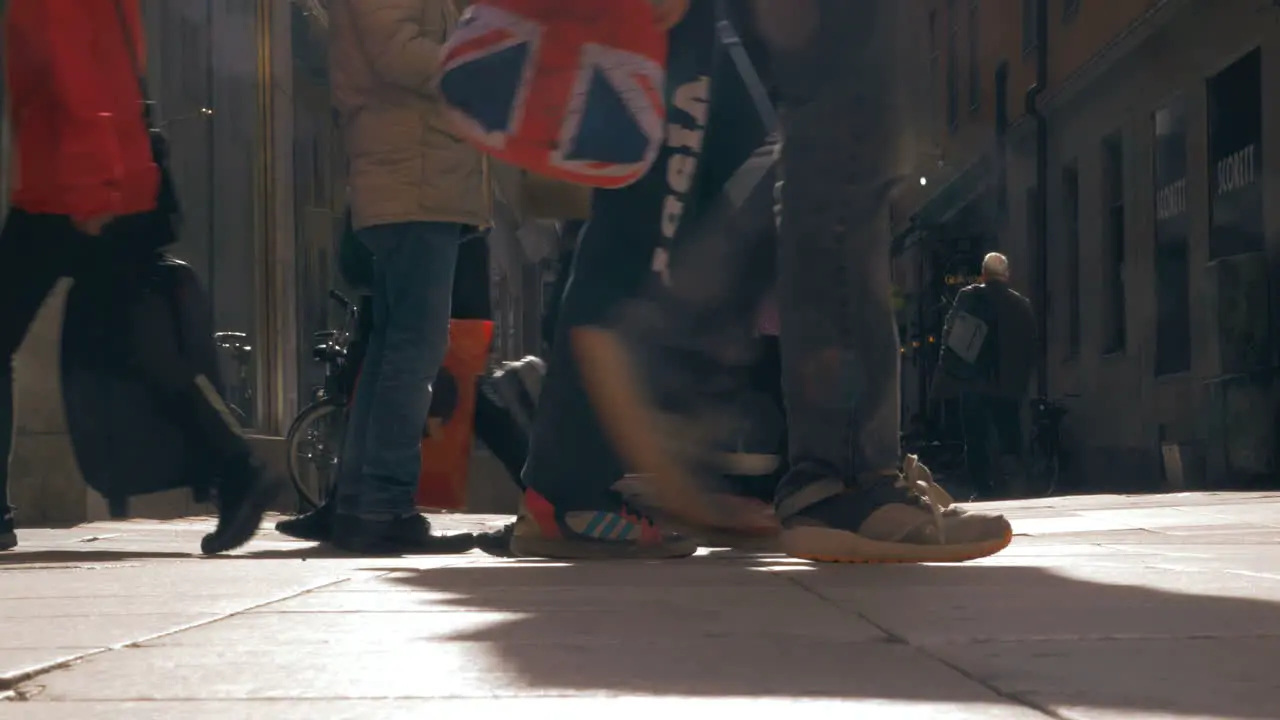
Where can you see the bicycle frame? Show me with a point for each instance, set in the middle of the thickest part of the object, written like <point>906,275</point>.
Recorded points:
<point>335,351</point>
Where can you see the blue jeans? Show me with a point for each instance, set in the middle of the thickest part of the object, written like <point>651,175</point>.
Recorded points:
<point>412,297</point>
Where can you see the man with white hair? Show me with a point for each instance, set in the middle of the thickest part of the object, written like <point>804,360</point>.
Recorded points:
<point>995,266</point>
<point>988,353</point>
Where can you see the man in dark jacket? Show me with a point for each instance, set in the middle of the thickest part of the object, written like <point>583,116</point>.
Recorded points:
<point>987,358</point>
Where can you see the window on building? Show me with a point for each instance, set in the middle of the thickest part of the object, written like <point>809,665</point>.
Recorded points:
<point>975,59</point>
<point>1173,291</point>
<point>1070,8</point>
<point>1030,11</point>
<point>1236,222</point>
<point>953,65</point>
<point>1114,305</point>
<point>934,62</point>
<point>1071,247</point>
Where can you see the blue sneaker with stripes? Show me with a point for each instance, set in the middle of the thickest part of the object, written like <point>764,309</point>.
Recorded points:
<point>542,531</point>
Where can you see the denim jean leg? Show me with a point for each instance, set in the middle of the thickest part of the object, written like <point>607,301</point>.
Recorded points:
<point>839,341</point>
<point>412,296</point>
<point>350,488</point>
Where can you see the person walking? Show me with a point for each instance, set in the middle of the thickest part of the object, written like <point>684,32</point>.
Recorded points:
<point>668,362</point>
<point>569,508</point>
<point>990,374</point>
<point>85,163</point>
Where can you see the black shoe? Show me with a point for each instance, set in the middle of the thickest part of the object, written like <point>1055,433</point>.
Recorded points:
<point>403,536</point>
<point>8,538</point>
<point>315,526</point>
<point>497,542</point>
<point>242,501</point>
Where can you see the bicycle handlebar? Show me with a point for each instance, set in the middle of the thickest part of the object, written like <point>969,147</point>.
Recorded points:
<point>339,298</point>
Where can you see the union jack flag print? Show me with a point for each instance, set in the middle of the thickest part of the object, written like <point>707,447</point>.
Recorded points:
<point>563,88</point>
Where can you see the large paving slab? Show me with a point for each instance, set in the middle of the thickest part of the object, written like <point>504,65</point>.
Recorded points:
<point>1105,608</point>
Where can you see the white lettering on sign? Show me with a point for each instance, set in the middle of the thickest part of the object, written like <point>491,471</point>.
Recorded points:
<point>1171,200</point>
<point>1237,170</point>
<point>692,99</point>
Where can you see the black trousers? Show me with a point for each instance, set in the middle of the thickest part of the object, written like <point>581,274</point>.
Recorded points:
<point>984,416</point>
<point>35,252</point>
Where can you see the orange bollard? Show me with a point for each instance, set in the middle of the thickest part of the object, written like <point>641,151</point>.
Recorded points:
<point>446,446</point>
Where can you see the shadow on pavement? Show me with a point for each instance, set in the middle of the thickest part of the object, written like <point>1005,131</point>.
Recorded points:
<point>90,555</point>
<point>771,627</point>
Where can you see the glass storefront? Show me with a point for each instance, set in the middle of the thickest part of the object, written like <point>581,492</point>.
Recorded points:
<point>204,74</point>
<point>213,74</point>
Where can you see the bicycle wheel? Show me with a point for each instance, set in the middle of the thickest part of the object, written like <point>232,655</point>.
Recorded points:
<point>313,447</point>
<point>1042,472</point>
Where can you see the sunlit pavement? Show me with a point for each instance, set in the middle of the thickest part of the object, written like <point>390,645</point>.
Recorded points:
<point>1105,607</point>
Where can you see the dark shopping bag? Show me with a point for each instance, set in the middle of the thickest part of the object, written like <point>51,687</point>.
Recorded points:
<point>133,338</point>
<point>137,333</point>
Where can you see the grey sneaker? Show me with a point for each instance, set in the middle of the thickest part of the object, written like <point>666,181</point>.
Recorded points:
<point>903,518</point>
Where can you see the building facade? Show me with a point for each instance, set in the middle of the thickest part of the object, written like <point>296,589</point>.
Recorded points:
<point>1154,268</point>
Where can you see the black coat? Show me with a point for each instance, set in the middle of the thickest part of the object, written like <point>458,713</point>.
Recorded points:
<point>1006,361</point>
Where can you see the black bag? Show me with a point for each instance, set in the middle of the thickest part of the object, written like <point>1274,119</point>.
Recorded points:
<point>137,334</point>
<point>133,340</point>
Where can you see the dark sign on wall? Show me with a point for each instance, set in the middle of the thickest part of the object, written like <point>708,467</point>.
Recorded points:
<point>1173,302</point>
<point>1235,158</point>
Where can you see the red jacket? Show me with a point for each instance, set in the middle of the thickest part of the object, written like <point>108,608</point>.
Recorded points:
<point>82,145</point>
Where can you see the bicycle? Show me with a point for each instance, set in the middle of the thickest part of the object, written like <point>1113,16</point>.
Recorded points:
<point>1044,467</point>
<point>239,391</point>
<point>314,440</point>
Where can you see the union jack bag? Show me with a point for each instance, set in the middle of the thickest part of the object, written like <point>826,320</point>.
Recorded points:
<point>568,89</point>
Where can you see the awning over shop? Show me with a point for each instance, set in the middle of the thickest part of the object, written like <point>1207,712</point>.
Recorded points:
<point>968,185</point>
<point>953,197</point>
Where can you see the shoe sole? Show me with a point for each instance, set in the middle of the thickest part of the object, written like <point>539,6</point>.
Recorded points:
<point>631,424</point>
<point>838,546</point>
<point>452,544</point>
<point>316,538</point>
<point>246,522</point>
<point>566,549</point>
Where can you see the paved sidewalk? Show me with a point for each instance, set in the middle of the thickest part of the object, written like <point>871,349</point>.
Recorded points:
<point>1105,608</point>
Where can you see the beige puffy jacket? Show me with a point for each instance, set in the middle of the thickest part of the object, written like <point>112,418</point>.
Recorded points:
<point>405,163</point>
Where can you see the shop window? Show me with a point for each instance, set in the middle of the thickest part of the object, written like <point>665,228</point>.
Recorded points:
<point>1173,293</point>
<point>1071,248</point>
<point>934,63</point>
<point>1235,158</point>
<point>1114,305</point>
